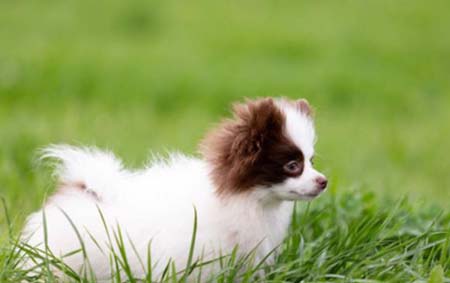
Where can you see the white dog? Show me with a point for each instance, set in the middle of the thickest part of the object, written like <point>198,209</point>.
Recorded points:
<point>253,167</point>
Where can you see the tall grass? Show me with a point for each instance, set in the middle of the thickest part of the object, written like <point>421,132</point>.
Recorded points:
<point>353,237</point>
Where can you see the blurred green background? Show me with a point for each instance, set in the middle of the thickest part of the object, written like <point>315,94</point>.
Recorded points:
<point>138,76</point>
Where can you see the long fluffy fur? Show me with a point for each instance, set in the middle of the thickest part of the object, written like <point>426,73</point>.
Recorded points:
<point>150,206</point>
<point>154,207</point>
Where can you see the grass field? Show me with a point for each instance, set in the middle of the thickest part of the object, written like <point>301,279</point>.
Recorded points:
<point>139,76</point>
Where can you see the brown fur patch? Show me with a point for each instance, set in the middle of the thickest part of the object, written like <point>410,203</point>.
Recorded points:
<point>250,149</point>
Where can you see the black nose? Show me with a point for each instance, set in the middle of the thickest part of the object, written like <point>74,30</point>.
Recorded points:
<point>322,183</point>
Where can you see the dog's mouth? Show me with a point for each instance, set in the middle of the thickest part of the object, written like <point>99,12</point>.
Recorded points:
<point>309,195</point>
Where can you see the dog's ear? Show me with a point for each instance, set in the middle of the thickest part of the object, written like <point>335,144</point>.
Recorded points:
<point>234,147</point>
<point>256,121</point>
<point>303,106</point>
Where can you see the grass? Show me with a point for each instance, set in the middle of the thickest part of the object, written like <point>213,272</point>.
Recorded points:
<point>141,76</point>
<point>350,238</point>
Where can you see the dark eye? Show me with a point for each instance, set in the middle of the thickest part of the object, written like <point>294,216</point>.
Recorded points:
<point>293,167</point>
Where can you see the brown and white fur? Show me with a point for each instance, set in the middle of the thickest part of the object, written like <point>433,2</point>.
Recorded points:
<point>254,166</point>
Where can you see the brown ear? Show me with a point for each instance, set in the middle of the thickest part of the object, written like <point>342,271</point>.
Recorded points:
<point>236,144</point>
<point>304,107</point>
<point>256,121</point>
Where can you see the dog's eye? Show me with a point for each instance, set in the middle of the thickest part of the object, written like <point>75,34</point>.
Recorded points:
<point>293,167</point>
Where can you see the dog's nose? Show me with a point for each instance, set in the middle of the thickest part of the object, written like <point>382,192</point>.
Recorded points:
<point>322,183</point>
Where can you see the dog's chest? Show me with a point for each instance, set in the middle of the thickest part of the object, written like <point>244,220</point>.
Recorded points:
<point>261,231</point>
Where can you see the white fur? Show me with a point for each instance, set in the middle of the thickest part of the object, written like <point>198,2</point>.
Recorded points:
<point>300,129</point>
<point>155,206</point>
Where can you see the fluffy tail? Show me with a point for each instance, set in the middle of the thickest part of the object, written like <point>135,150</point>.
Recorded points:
<point>89,168</point>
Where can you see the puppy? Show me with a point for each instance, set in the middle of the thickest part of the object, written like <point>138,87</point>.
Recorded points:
<point>241,192</point>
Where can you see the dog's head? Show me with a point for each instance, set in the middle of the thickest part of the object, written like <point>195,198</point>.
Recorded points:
<point>267,146</point>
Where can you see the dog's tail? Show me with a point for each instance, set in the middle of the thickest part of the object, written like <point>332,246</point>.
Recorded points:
<point>84,168</point>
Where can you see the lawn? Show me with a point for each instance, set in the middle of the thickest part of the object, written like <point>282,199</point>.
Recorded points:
<point>150,76</point>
